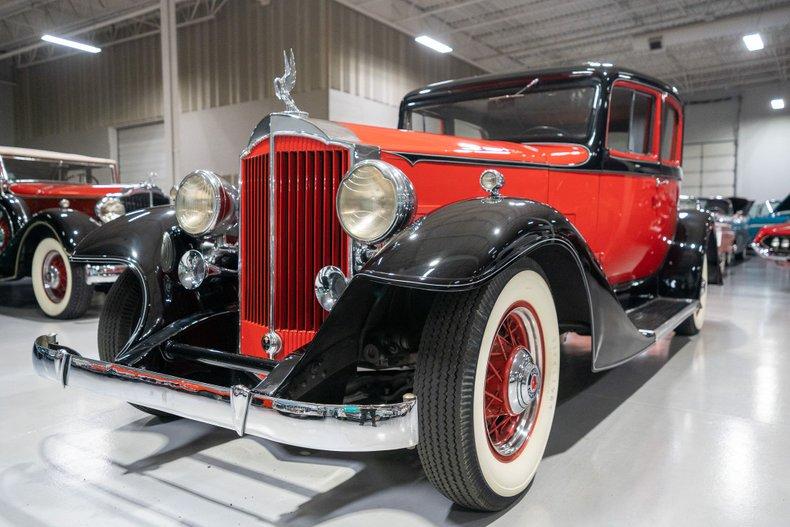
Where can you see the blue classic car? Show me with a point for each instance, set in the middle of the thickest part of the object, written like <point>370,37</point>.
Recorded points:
<point>767,213</point>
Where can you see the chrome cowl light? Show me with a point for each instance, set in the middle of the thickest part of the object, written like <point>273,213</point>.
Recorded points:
<point>375,200</point>
<point>108,208</point>
<point>205,204</point>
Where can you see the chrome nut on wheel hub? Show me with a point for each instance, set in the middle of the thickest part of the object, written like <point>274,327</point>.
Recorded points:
<point>523,382</point>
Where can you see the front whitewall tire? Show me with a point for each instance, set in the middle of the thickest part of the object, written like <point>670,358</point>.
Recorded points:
<point>512,477</point>
<point>481,451</point>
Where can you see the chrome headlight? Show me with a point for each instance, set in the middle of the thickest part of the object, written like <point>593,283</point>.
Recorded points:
<point>108,208</point>
<point>374,200</point>
<point>205,203</point>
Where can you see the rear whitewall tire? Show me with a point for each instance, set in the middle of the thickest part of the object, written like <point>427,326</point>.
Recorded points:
<point>693,324</point>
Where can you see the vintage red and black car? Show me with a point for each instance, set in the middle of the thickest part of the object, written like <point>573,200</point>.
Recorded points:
<point>773,243</point>
<point>49,201</point>
<point>359,273</point>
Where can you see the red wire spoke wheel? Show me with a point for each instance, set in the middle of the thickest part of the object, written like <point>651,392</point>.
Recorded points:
<point>59,286</point>
<point>54,276</point>
<point>487,379</point>
<point>513,381</point>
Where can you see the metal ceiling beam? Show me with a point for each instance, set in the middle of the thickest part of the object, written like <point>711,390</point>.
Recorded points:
<point>453,5</point>
<point>400,28</point>
<point>98,25</point>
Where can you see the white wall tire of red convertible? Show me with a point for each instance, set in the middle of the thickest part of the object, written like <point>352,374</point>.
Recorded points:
<point>59,286</point>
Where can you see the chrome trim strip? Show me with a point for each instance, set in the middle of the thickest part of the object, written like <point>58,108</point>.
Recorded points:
<point>272,349</point>
<point>337,427</point>
<point>667,327</point>
<point>764,252</point>
<point>103,273</point>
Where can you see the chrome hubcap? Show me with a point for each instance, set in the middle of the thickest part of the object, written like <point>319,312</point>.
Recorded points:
<point>523,382</point>
<point>54,277</point>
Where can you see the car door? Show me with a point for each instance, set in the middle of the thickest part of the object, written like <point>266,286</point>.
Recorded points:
<point>636,201</point>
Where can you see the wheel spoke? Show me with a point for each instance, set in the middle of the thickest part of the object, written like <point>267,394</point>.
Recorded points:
<point>509,433</point>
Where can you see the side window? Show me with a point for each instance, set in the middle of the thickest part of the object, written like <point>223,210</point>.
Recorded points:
<point>669,130</point>
<point>630,121</point>
<point>426,123</point>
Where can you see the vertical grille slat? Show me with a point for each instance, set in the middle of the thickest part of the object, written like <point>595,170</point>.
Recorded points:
<point>307,235</point>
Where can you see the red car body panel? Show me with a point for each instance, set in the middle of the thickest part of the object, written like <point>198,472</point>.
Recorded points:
<point>782,229</point>
<point>606,207</point>
<point>45,195</point>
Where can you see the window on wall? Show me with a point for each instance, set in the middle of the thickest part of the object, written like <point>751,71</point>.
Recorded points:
<point>630,121</point>
<point>669,131</point>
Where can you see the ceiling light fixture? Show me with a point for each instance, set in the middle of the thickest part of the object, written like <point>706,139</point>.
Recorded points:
<point>70,44</point>
<point>753,42</point>
<point>434,44</point>
<point>777,104</point>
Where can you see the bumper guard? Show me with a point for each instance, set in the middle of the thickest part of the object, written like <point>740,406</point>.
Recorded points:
<point>338,427</point>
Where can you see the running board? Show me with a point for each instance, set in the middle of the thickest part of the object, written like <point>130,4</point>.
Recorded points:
<point>658,317</point>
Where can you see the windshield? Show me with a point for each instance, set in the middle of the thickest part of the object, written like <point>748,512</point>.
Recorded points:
<point>721,206</point>
<point>526,114</point>
<point>19,169</point>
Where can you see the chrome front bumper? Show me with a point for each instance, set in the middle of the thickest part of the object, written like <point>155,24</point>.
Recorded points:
<point>103,273</point>
<point>338,427</point>
<point>765,252</point>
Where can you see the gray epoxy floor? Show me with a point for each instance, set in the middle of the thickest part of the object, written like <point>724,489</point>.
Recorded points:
<point>694,433</point>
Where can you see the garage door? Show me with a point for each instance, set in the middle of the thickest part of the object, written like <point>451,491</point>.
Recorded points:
<point>141,152</point>
<point>709,168</point>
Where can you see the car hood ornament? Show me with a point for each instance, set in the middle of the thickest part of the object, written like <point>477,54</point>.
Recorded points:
<point>283,85</point>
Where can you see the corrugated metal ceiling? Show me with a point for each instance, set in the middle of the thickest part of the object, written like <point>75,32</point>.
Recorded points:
<point>701,40</point>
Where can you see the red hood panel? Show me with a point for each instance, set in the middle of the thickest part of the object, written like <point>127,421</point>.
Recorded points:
<point>782,229</point>
<point>64,190</point>
<point>407,141</point>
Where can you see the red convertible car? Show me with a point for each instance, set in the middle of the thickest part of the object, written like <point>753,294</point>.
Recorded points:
<point>49,201</point>
<point>359,273</point>
<point>773,243</point>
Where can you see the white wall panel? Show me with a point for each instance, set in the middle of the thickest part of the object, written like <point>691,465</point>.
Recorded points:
<point>345,107</point>
<point>234,58</point>
<point>120,85</point>
<point>141,153</point>
<point>376,62</point>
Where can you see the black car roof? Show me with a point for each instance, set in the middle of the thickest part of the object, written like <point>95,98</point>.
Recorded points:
<point>593,69</point>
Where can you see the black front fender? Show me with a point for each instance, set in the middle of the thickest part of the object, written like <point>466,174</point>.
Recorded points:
<point>136,240</point>
<point>67,225</point>
<point>461,245</point>
<point>458,247</point>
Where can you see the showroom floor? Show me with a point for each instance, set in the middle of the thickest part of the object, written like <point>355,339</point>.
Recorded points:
<point>695,433</point>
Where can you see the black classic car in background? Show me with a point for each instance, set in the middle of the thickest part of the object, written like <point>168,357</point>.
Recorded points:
<point>49,201</point>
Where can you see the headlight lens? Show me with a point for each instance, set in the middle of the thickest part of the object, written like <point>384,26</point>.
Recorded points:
<point>108,208</point>
<point>374,200</point>
<point>204,203</point>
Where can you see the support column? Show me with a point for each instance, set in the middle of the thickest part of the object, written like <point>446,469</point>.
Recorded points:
<point>171,96</point>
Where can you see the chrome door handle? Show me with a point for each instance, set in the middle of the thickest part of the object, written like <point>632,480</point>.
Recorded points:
<point>661,181</point>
